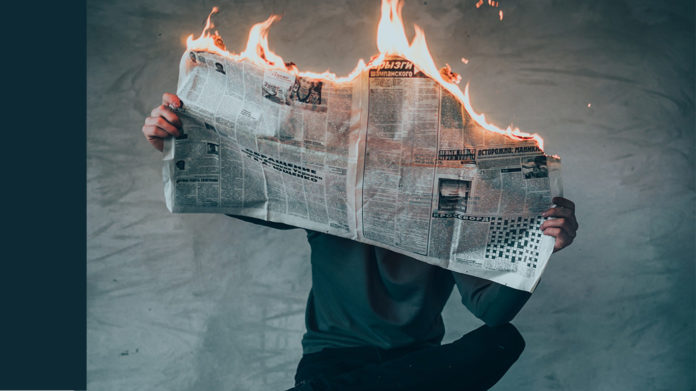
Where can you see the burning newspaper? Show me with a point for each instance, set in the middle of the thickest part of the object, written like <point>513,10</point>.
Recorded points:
<point>392,155</point>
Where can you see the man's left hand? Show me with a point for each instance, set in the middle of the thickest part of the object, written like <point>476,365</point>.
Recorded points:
<point>564,226</point>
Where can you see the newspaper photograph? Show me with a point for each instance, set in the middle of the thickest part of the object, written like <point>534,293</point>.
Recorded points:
<point>390,159</point>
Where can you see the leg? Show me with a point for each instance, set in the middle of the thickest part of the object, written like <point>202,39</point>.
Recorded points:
<point>333,362</point>
<point>474,362</point>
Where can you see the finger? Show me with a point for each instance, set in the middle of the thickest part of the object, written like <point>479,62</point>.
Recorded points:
<point>158,143</point>
<point>171,100</point>
<point>161,123</point>
<point>563,213</point>
<point>166,112</point>
<point>564,202</point>
<point>151,136</point>
<point>152,131</point>
<point>154,123</point>
<point>562,238</point>
<point>553,231</point>
<point>558,212</point>
<point>564,224</point>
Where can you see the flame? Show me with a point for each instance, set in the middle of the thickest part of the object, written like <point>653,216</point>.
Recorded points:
<point>391,41</point>
<point>491,3</point>
<point>257,46</point>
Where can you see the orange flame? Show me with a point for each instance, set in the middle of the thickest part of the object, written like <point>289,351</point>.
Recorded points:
<point>391,41</point>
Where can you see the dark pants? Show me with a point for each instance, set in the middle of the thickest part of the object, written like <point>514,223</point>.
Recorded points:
<point>476,361</point>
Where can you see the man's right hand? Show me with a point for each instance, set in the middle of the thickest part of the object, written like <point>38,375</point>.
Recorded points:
<point>163,121</point>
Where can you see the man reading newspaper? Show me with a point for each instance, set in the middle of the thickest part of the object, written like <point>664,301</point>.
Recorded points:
<point>373,316</point>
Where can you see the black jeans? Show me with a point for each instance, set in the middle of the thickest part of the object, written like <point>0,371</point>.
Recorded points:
<point>476,361</point>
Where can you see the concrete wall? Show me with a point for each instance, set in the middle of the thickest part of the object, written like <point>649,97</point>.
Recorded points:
<point>207,302</point>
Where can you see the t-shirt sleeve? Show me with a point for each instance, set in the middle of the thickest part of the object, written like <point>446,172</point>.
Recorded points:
<point>263,222</point>
<point>491,302</point>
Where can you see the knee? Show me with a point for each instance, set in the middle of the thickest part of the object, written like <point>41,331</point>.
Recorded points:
<point>509,340</point>
<point>503,341</point>
<point>491,351</point>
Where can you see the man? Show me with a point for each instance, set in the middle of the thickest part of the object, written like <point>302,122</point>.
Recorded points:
<point>373,316</point>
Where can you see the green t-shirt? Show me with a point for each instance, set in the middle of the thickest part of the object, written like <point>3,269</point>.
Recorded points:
<point>364,295</point>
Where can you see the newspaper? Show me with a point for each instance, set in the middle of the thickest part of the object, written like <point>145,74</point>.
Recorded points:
<point>390,159</point>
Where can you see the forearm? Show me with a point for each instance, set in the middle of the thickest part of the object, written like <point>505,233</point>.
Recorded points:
<point>491,302</point>
<point>500,304</point>
<point>263,222</point>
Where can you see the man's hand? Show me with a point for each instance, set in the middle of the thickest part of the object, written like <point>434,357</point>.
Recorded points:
<point>163,122</point>
<point>564,226</point>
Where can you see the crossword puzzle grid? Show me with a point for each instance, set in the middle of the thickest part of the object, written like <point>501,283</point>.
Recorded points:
<point>515,240</point>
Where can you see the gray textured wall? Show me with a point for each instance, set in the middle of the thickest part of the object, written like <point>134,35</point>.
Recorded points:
<point>207,302</point>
